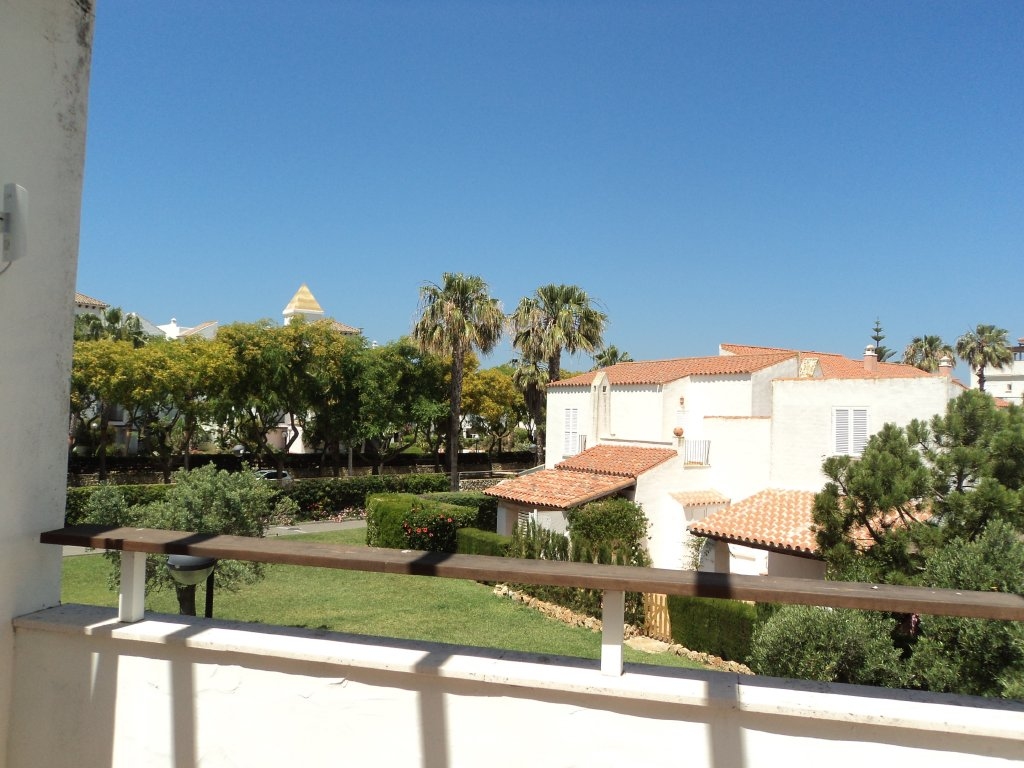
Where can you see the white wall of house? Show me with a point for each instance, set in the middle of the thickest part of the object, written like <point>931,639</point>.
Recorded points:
<point>188,692</point>
<point>740,458</point>
<point>637,413</point>
<point>44,78</point>
<point>803,418</point>
<point>667,532</point>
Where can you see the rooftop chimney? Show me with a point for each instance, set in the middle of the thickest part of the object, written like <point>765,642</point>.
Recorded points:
<point>946,366</point>
<point>870,359</point>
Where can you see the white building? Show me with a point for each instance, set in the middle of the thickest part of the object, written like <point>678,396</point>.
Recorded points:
<point>749,427</point>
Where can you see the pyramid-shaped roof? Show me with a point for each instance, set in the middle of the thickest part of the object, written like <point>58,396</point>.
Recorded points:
<point>303,303</point>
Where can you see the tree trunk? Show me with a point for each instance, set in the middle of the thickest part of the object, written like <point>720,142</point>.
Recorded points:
<point>455,425</point>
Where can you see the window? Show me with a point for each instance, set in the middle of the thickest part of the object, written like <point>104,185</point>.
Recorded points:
<point>571,432</point>
<point>849,431</point>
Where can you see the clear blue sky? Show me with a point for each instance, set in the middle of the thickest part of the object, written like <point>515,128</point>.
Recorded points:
<point>776,173</point>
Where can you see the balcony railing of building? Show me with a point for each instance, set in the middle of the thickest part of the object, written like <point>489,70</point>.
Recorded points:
<point>697,452</point>
<point>135,543</point>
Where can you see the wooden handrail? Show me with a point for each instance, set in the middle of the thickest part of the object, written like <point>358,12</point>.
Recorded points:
<point>770,589</point>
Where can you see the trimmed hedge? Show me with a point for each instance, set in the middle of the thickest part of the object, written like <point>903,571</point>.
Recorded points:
<point>317,499</point>
<point>473,541</point>
<point>323,497</point>
<point>407,521</point>
<point>78,498</point>
<point>486,506</point>
<point>719,627</point>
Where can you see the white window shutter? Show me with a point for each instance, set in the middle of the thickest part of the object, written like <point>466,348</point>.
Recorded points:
<point>859,435</point>
<point>569,447</point>
<point>842,431</point>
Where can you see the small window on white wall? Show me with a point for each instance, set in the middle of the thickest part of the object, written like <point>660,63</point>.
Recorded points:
<point>571,432</point>
<point>849,431</point>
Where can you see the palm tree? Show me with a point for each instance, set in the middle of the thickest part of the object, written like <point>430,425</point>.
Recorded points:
<point>985,346</point>
<point>926,352</point>
<point>532,381</point>
<point>557,318</point>
<point>113,324</point>
<point>455,318</point>
<point>609,356</point>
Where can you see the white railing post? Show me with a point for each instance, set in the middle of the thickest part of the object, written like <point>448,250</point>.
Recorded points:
<point>131,601</point>
<point>613,617</point>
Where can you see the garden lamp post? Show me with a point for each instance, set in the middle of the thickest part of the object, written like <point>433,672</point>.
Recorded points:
<point>187,571</point>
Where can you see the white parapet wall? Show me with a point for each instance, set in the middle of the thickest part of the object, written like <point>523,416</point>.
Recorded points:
<point>188,692</point>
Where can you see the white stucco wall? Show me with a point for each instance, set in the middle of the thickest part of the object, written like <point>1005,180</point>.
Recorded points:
<point>667,528</point>
<point>740,459</point>
<point>44,69</point>
<point>188,692</point>
<point>802,418</point>
<point>637,413</point>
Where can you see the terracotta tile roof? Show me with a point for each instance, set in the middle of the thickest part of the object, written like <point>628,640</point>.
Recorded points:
<point>664,371</point>
<point>834,366</point>
<point>559,488</point>
<point>699,498</point>
<point>772,519</point>
<point>597,472</point>
<point>81,298</point>
<point>781,521</point>
<point>624,461</point>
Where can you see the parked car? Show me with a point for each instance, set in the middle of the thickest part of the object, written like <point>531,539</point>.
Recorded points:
<point>284,478</point>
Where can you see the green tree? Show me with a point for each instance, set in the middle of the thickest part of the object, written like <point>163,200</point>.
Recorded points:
<point>204,500</point>
<point>331,379</point>
<point>265,394</point>
<point>940,504</point>
<point>494,403</point>
<point>399,385</point>
<point>882,352</point>
<point>926,352</point>
<point>455,318</point>
<point>554,319</point>
<point>532,381</point>
<point>609,356</point>
<point>868,515</point>
<point>986,346</point>
<point>973,656</point>
<point>101,382</point>
<point>975,452</point>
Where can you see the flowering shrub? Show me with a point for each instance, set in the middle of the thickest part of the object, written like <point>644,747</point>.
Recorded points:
<point>432,534</point>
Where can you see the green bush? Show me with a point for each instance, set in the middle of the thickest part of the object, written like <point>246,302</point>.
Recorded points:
<point>610,531</point>
<point>78,499</point>
<point>473,541</point>
<point>204,500</point>
<point>431,526</point>
<point>385,513</point>
<point>407,521</point>
<point>322,497</point>
<point>486,506</point>
<point>842,646</point>
<point>720,627</point>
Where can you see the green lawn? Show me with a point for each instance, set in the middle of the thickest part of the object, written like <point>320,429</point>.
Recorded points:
<point>384,605</point>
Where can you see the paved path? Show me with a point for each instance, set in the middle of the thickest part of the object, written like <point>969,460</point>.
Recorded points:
<point>277,530</point>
